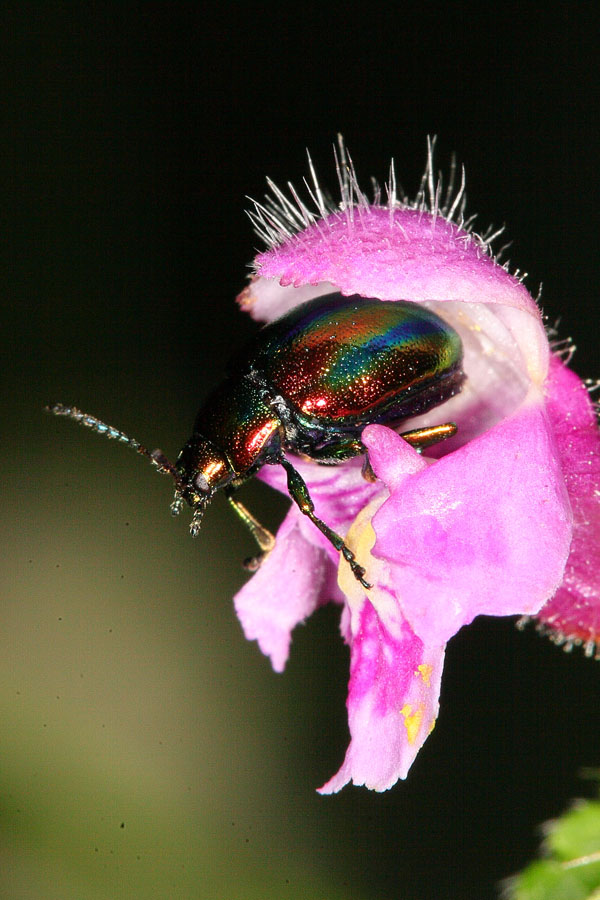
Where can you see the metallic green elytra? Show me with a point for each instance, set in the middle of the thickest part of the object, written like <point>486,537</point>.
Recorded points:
<point>308,383</point>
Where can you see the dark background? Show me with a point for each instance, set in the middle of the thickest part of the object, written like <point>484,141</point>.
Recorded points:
<point>133,133</point>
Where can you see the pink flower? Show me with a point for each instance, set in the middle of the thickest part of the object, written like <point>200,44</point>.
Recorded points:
<point>501,519</point>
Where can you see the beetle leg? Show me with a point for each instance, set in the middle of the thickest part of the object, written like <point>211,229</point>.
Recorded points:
<point>263,537</point>
<point>338,452</point>
<point>420,438</point>
<point>367,471</point>
<point>301,497</point>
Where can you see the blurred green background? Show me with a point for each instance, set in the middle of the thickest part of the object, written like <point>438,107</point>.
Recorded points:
<point>147,750</point>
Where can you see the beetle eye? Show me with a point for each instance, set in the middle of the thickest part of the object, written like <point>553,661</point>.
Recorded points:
<point>201,484</point>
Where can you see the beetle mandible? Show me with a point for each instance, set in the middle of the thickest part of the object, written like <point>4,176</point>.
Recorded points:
<point>308,383</point>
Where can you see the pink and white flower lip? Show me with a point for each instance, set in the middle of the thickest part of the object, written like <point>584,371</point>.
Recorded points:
<point>502,519</point>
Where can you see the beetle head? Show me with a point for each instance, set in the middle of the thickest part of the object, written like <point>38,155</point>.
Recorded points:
<point>202,470</point>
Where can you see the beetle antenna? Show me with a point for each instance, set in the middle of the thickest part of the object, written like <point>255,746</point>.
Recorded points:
<point>156,457</point>
<point>177,503</point>
<point>196,520</point>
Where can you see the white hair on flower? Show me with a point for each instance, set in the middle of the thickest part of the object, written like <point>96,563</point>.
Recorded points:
<point>280,217</point>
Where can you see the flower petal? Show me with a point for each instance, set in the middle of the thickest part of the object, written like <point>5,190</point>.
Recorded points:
<point>485,529</point>
<point>392,703</point>
<point>394,678</point>
<point>292,581</point>
<point>574,612</point>
<point>265,299</point>
<point>394,254</point>
<point>391,457</point>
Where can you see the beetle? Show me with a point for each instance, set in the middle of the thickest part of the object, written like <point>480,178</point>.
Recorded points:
<point>307,384</point>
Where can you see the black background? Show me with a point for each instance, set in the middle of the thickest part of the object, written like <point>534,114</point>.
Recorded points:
<point>133,133</point>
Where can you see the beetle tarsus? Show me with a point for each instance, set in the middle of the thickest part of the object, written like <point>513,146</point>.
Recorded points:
<point>367,471</point>
<point>359,577</point>
<point>357,570</point>
<point>253,563</point>
<point>196,522</point>
<point>177,504</point>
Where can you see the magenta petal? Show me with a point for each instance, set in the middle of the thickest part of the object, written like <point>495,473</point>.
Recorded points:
<point>485,529</point>
<point>390,254</point>
<point>296,576</point>
<point>392,702</point>
<point>574,612</point>
<point>390,456</point>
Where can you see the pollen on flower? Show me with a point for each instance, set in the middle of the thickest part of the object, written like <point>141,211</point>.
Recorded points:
<point>412,720</point>
<point>425,670</point>
<point>245,298</point>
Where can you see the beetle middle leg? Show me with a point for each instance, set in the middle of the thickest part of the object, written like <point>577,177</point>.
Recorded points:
<point>263,537</point>
<point>343,449</point>
<point>301,497</point>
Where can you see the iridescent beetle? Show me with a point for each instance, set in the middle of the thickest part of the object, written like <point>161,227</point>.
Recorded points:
<point>308,383</point>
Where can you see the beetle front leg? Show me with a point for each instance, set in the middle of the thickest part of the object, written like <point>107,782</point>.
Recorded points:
<point>263,537</point>
<point>301,497</point>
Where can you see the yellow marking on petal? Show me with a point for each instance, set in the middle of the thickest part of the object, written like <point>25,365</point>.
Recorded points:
<point>360,539</point>
<point>412,721</point>
<point>246,298</point>
<point>425,671</point>
<point>366,541</point>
